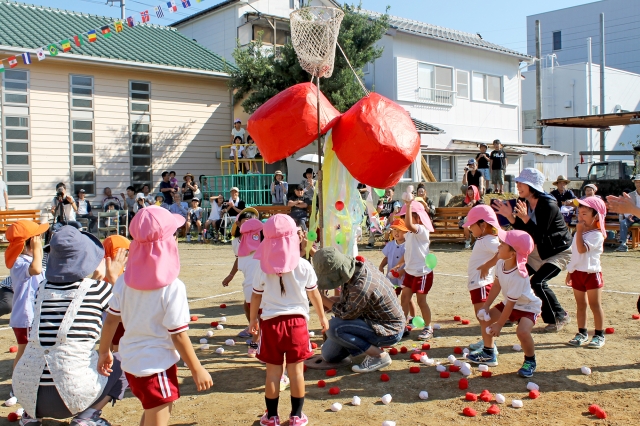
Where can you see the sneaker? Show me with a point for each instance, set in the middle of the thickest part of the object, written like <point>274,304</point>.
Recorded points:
<point>579,340</point>
<point>94,420</point>
<point>284,383</point>
<point>370,363</point>
<point>622,248</point>
<point>199,238</point>
<point>253,350</point>
<point>527,369</point>
<point>427,334</point>
<point>481,357</point>
<point>370,245</point>
<point>299,421</point>
<point>269,421</point>
<point>30,421</point>
<point>188,238</point>
<point>244,333</point>
<point>467,244</point>
<point>596,342</point>
<point>480,345</point>
<point>559,325</point>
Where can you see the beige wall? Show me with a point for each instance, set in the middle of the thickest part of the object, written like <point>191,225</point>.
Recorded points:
<point>190,117</point>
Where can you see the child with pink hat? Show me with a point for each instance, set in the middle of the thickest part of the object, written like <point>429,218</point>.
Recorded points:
<point>283,291</point>
<point>585,271</point>
<point>151,302</point>
<point>519,303</point>
<point>418,277</point>
<point>250,239</point>
<point>483,224</point>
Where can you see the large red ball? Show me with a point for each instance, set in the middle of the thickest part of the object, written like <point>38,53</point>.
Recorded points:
<point>288,122</point>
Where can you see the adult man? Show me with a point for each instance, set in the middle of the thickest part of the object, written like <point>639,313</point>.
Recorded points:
<point>483,161</point>
<point>499,164</point>
<point>562,195</point>
<point>472,176</point>
<point>386,208</point>
<point>299,204</point>
<point>109,198</point>
<point>63,208</point>
<point>629,219</point>
<point>367,312</point>
<point>84,209</point>
<point>166,189</point>
<point>4,198</point>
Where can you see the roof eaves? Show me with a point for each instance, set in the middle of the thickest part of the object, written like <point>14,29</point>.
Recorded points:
<point>204,12</point>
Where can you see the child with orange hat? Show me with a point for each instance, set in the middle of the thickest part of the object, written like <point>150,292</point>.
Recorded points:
<point>111,245</point>
<point>24,259</point>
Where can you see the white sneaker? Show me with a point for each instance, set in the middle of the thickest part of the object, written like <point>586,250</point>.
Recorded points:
<point>370,363</point>
<point>188,238</point>
<point>467,244</point>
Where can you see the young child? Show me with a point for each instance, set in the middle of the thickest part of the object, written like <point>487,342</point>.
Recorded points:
<point>236,150</point>
<point>112,244</point>
<point>24,259</point>
<point>152,304</point>
<point>418,277</point>
<point>283,289</point>
<point>585,272</point>
<point>519,305</point>
<point>194,217</point>
<point>483,224</point>
<point>173,180</point>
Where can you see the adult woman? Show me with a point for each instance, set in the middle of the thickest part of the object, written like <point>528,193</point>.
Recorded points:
<point>538,214</point>
<point>279,189</point>
<point>57,375</point>
<point>473,176</point>
<point>309,183</point>
<point>189,188</point>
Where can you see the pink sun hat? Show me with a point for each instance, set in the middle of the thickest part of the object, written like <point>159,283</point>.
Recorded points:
<point>154,261</point>
<point>418,208</point>
<point>600,207</point>
<point>482,212</point>
<point>522,243</point>
<point>250,240</point>
<point>279,252</point>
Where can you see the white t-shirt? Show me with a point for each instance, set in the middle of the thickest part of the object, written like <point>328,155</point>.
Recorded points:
<point>250,268</point>
<point>149,319</point>
<point>484,250</point>
<point>296,284</point>
<point>516,288</point>
<point>394,252</point>
<point>240,133</point>
<point>416,249</point>
<point>589,261</point>
<point>215,211</point>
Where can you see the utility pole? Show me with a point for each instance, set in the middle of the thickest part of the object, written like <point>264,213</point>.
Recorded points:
<point>590,98</point>
<point>602,65</point>
<point>538,85</point>
<point>123,11</point>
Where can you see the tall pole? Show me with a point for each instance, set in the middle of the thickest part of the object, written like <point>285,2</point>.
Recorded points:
<point>590,98</point>
<point>538,85</point>
<point>320,217</point>
<point>602,65</point>
<point>123,11</point>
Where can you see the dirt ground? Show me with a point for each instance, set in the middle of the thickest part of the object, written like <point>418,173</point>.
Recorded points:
<point>237,396</point>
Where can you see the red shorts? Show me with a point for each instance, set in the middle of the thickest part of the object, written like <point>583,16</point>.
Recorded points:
<point>118,335</point>
<point>284,335</point>
<point>22,335</point>
<point>583,281</point>
<point>517,314</point>
<point>157,389</point>
<point>479,295</point>
<point>420,285</point>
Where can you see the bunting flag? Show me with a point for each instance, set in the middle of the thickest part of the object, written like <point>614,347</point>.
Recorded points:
<point>171,5</point>
<point>106,31</point>
<point>26,58</point>
<point>13,62</point>
<point>53,50</point>
<point>78,40</point>
<point>186,3</point>
<point>92,36</point>
<point>41,55</point>
<point>119,26</point>
<point>131,22</point>
<point>144,16</point>
<point>159,12</point>
<point>66,45</point>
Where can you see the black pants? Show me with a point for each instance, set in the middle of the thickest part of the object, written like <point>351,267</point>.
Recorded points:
<point>552,311</point>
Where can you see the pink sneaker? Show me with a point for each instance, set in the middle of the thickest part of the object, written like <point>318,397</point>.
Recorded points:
<point>298,421</point>
<point>253,350</point>
<point>273,421</point>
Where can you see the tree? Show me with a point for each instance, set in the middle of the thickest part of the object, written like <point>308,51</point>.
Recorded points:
<point>260,74</point>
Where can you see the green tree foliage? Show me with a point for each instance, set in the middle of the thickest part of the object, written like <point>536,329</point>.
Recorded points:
<point>259,74</point>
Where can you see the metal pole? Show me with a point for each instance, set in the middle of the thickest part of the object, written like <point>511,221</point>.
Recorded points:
<point>590,98</point>
<point>602,65</point>
<point>320,216</point>
<point>123,11</point>
<point>539,140</point>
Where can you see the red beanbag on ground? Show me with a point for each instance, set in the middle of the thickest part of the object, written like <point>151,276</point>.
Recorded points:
<point>376,131</point>
<point>414,370</point>
<point>463,384</point>
<point>393,351</point>
<point>469,412</point>
<point>384,377</point>
<point>470,396</point>
<point>331,373</point>
<point>334,391</point>
<point>291,113</point>
<point>494,409</point>
<point>403,349</point>
<point>444,374</point>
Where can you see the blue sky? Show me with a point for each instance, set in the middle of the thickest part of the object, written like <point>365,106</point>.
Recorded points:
<point>499,21</point>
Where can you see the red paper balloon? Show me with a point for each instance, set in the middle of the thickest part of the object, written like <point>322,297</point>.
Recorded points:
<point>339,205</point>
<point>454,368</point>
<point>13,349</point>
<point>609,330</point>
<point>534,394</point>
<point>415,357</point>
<point>486,397</point>
<point>601,414</point>
<point>376,131</point>
<point>403,349</point>
<point>465,322</point>
<point>457,350</point>
<point>288,122</point>
<point>395,273</point>
<point>456,318</point>
<point>13,417</point>
<point>486,374</point>
<point>214,323</point>
<point>426,346</point>
<point>635,316</point>
<point>593,408</point>
<point>314,345</point>
<point>222,306</point>
<point>194,318</point>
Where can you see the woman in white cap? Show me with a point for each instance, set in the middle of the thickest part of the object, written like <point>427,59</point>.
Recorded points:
<point>538,214</point>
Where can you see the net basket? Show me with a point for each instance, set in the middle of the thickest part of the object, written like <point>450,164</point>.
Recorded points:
<point>314,34</point>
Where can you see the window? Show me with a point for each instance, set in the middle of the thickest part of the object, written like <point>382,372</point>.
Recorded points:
<point>16,133</point>
<point>462,84</point>
<point>282,37</point>
<point>408,174</point>
<point>442,167</point>
<point>435,84</point>
<point>82,131</point>
<point>529,119</point>
<point>486,87</point>
<point>557,40</point>
<point>140,131</point>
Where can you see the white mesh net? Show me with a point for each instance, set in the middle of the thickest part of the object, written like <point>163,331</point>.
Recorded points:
<point>314,34</point>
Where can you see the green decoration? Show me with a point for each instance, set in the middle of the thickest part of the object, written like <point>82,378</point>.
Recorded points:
<point>417,322</point>
<point>312,236</point>
<point>379,192</point>
<point>431,261</point>
<point>341,239</point>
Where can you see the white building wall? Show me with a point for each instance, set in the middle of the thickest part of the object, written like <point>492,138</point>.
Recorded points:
<point>622,32</point>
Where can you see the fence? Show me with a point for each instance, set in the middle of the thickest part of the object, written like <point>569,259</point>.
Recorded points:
<point>255,190</point>
<point>229,166</point>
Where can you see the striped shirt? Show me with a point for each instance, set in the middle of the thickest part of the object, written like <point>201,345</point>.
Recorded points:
<point>87,325</point>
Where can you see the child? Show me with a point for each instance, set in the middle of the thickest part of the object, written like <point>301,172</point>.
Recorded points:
<point>194,217</point>
<point>250,239</point>
<point>585,272</point>
<point>250,152</point>
<point>24,259</point>
<point>173,181</point>
<point>152,304</point>
<point>483,224</point>
<point>418,277</point>
<point>520,304</point>
<point>282,288</point>
<point>236,150</point>
<point>112,244</point>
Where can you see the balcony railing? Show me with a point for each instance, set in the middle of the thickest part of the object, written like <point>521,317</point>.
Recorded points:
<point>435,96</point>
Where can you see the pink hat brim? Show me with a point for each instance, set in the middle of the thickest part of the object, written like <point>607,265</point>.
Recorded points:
<point>484,213</point>
<point>279,255</point>
<point>417,208</point>
<point>600,207</point>
<point>514,239</point>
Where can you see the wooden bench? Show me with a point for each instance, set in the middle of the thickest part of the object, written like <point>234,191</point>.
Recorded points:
<point>268,211</point>
<point>8,217</point>
<point>445,224</point>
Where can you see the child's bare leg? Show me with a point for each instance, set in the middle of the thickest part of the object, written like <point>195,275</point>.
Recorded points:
<point>488,339</point>
<point>296,379</point>
<point>595,304</point>
<point>199,226</point>
<point>21,348</point>
<point>158,416</point>
<point>413,308</point>
<point>483,324</point>
<point>524,335</point>
<point>272,386</point>
<point>581,308</point>
<point>424,308</point>
<point>405,300</point>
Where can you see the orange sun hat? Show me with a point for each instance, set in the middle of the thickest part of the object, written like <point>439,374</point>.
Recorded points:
<point>17,234</point>
<point>111,245</point>
<point>399,225</point>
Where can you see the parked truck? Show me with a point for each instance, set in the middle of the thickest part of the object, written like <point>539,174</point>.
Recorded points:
<point>612,177</point>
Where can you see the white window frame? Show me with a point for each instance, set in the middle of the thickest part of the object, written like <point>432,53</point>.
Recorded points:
<point>485,89</point>
<point>440,157</point>
<point>76,114</point>
<point>433,94</point>
<point>140,118</point>
<point>468,84</point>
<point>8,168</point>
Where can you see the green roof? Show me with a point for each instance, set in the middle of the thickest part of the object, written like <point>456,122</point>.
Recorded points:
<point>29,27</point>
